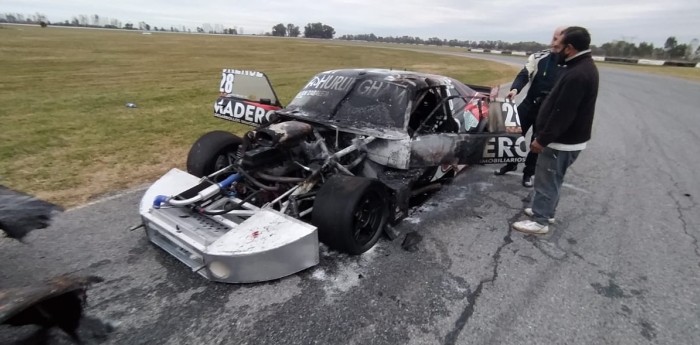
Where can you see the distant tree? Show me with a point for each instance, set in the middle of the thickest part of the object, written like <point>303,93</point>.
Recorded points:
<point>38,17</point>
<point>328,31</point>
<point>279,30</point>
<point>318,30</point>
<point>42,24</point>
<point>293,30</point>
<point>679,51</point>
<point>670,44</point>
<point>435,41</point>
<point>95,20</point>
<point>129,26</point>
<point>313,30</point>
<point>645,49</point>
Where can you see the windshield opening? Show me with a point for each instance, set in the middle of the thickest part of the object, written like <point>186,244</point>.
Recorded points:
<point>347,99</point>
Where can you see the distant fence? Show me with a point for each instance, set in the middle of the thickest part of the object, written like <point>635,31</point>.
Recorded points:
<point>601,58</point>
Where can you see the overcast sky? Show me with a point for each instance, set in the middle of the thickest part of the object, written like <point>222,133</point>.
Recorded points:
<point>507,20</point>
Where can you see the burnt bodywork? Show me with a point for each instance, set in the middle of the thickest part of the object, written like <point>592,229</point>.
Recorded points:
<point>390,134</point>
<point>21,213</point>
<point>58,303</point>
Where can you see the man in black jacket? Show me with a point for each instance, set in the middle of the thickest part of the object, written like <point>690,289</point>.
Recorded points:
<point>540,73</point>
<point>564,125</point>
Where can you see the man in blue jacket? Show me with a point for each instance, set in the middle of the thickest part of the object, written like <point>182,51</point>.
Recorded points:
<point>540,73</point>
<point>564,124</point>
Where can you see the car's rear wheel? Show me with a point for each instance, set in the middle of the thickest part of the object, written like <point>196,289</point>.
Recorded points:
<point>350,213</point>
<point>212,152</point>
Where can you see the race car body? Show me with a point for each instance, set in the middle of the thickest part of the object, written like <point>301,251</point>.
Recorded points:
<point>337,164</point>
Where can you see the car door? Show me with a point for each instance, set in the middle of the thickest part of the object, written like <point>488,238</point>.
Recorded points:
<point>245,97</point>
<point>488,132</point>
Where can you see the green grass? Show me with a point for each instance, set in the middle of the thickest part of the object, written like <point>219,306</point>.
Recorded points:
<point>68,137</point>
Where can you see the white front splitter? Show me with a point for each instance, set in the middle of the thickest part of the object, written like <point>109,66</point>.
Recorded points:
<point>268,245</point>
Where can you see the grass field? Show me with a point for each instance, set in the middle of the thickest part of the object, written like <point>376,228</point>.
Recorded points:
<point>68,137</point>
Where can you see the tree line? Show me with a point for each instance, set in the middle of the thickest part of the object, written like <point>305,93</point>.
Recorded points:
<point>97,21</point>
<point>494,45</point>
<point>671,49</point>
<point>311,30</point>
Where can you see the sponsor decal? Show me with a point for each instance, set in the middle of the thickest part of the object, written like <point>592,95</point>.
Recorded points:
<point>317,93</point>
<point>470,120</point>
<point>330,82</point>
<point>371,88</point>
<point>246,112</point>
<point>505,150</point>
<point>322,85</point>
<point>512,121</point>
<point>241,72</point>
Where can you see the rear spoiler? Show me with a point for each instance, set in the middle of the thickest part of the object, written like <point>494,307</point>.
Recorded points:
<point>486,90</point>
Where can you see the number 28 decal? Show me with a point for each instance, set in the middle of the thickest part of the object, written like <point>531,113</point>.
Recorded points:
<point>512,118</point>
<point>226,85</point>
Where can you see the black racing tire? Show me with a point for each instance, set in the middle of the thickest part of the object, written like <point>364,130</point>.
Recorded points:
<point>350,213</point>
<point>212,152</point>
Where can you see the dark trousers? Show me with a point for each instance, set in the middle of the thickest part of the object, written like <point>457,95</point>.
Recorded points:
<point>527,112</point>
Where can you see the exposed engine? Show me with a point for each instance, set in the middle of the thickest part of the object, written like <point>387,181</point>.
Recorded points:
<point>282,163</point>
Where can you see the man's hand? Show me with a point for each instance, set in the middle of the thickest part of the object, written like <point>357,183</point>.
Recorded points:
<point>511,94</point>
<point>536,147</point>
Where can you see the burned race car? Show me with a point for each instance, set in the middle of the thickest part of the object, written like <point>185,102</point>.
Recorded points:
<point>337,164</point>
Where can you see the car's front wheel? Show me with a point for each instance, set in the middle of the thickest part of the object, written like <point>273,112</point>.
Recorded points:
<point>212,152</point>
<point>350,213</point>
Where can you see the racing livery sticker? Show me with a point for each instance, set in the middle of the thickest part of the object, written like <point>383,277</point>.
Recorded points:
<point>505,150</point>
<point>246,112</point>
<point>242,72</point>
<point>512,120</point>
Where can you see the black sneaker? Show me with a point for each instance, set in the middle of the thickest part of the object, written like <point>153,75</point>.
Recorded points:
<point>506,168</point>
<point>528,181</point>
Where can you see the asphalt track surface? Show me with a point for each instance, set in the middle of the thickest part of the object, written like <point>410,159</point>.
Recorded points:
<point>621,266</point>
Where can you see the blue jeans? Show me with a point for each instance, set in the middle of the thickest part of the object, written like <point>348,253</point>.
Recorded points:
<point>549,176</point>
